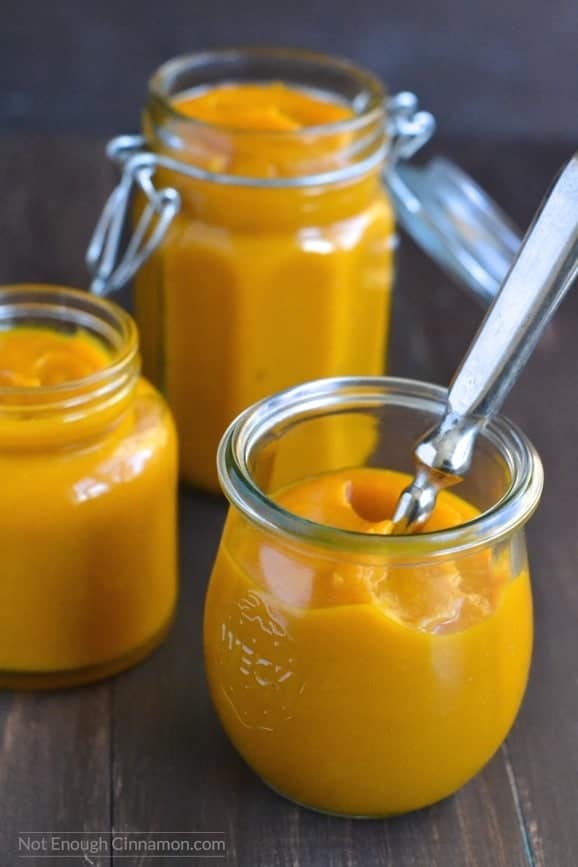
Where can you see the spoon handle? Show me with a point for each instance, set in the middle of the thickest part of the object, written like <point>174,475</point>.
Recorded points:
<point>539,277</point>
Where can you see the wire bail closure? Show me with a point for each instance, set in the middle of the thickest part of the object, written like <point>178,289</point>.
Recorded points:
<point>112,267</point>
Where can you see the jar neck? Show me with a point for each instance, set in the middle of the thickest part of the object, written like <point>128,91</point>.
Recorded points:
<point>268,210</point>
<point>322,157</point>
<point>80,410</point>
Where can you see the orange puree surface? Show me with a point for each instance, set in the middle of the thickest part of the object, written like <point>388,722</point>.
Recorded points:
<point>87,514</point>
<point>262,107</point>
<point>256,289</point>
<point>32,357</point>
<point>364,684</point>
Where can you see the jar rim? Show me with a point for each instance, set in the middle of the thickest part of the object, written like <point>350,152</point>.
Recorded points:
<point>511,511</point>
<point>61,303</point>
<point>167,71</point>
<point>369,128</point>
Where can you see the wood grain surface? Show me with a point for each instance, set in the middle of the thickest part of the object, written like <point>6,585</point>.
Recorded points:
<point>145,752</point>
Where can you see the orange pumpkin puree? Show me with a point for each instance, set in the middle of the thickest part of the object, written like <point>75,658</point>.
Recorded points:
<point>87,566</point>
<point>257,289</point>
<point>360,685</point>
<point>33,357</point>
<point>262,106</point>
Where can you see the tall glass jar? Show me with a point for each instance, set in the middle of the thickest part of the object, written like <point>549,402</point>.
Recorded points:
<point>347,701</point>
<point>87,515</point>
<point>277,264</point>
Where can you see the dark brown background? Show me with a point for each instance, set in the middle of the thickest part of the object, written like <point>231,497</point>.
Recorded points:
<point>144,752</point>
<point>499,67</point>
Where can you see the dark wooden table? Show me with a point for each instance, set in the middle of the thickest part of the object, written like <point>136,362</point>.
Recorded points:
<point>144,752</point>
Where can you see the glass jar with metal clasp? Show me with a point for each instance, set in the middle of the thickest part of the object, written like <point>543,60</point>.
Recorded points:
<point>266,185</point>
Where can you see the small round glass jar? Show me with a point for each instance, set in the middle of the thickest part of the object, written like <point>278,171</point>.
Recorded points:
<point>88,578</point>
<point>342,706</point>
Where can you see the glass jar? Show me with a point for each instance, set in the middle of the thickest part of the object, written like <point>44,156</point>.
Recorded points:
<point>88,511</point>
<point>276,266</point>
<point>348,704</point>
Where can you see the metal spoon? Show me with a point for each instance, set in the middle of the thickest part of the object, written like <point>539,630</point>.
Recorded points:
<point>542,273</point>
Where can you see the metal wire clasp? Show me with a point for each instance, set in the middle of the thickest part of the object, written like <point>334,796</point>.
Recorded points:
<point>409,128</point>
<point>111,267</point>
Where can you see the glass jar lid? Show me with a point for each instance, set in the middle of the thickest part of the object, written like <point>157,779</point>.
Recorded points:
<point>448,214</point>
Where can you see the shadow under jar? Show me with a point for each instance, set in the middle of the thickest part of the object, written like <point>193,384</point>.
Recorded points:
<point>357,673</point>
<point>87,516</point>
<point>277,268</point>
